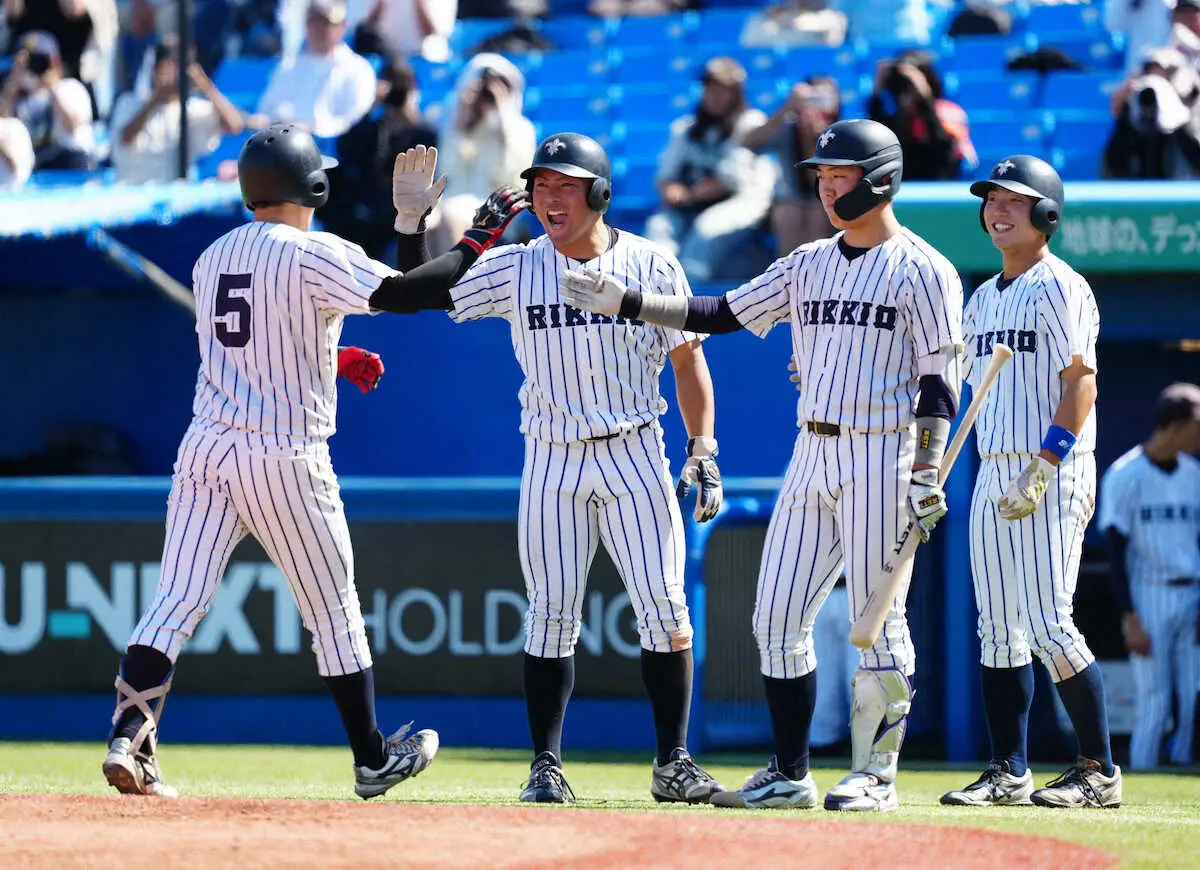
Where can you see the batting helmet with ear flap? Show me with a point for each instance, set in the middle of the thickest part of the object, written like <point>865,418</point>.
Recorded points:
<point>1028,176</point>
<point>578,156</point>
<point>282,163</point>
<point>867,144</point>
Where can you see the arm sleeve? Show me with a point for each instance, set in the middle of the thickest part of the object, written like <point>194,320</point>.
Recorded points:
<point>426,287</point>
<point>412,250</point>
<point>761,303</point>
<point>1070,321</point>
<point>1118,573</point>
<point>486,289</point>
<point>338,275</point>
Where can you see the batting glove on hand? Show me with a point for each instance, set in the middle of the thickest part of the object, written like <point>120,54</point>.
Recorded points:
<point>1025,491</point>
<point>592,291</point>
<point>360,367</point>
<point>414,192</point>
<point>492,218</point>
<point>926,500</point>
<point>794,377</point>
<point>701,468</point>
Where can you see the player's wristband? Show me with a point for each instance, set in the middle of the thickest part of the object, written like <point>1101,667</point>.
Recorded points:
<point>1059,441</point>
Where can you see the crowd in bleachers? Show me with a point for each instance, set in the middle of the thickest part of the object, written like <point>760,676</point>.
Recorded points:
<point>703,106</point>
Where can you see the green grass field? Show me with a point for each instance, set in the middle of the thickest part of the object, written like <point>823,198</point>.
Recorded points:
<point>1158,826</point>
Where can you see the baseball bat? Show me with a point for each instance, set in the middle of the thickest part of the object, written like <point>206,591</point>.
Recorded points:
<point>136,266</point>
<point>867,627</point>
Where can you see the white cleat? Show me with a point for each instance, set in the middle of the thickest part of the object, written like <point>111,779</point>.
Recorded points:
<point>863,793</point>
<point>770,789</point>
<point>681,780</point>
<point>405,759</point>
<point>1082,786</point>
<point>996,788</point>
<point>134,773</point>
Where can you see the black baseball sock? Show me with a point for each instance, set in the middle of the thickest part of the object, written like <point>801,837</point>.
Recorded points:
<point>548,687</point>
<point>1083,696</point>
<point>791,702</point>
<point>354,695</point>
<point>1007,697</point>
<point>668,681</point>
<point>143,667</point>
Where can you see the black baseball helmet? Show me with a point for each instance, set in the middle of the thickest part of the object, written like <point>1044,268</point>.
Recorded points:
<point>864,143</point>
<point>578,156</point>
<point>1028,176</point>
<point>282,163</point>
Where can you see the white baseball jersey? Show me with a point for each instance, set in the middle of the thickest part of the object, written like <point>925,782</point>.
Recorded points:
<point>270,300</point>
<point>860,321</point>
<point>1159,512</point>
<point>1025,571</point>
<point>595,466</point>
<point>1047,315</point>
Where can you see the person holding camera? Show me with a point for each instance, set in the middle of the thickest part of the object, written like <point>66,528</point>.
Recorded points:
<point>55,109</point>
<point>1156,132</point>
<point>361,188</point>
<point>905,99</point>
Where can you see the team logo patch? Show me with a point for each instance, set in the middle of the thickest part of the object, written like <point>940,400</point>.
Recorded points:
<point>1002,168</point>
<point>554,146</point>
<point>826,137</point>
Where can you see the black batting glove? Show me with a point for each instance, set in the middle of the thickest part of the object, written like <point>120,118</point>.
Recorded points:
<point>493,217</point>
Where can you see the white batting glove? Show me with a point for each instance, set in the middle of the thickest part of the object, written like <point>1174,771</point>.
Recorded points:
<point>701,469</point>
<point>592,291</point>
<point>926,500</point>
<point>1025,491</point>
<point>794,377</point>
<point>414,192</point>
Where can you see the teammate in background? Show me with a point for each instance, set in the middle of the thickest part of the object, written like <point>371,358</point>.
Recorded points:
<point>595,465</point>
<point>270,299</point>
<point>1036,435</point>
<point>1150,511</point>
<point>875,315</point>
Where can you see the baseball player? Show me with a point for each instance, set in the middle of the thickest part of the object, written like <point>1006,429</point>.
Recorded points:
<point>875,315</point>
<point>595,466</point>
<point>271,296</point>
<point>1150,512</point>
<point>1035,491</point>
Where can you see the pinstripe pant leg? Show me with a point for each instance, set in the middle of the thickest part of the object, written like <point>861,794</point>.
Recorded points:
<point>290,499</point>
<point>556,542</point>
<point>202,529</point>
<point>1185,659</point>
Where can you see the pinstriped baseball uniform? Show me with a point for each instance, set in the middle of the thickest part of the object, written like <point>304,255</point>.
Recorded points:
<point>1159,512</point>
<point>595,467</point>
<point>270,301</point>
<point>860,320</point>
<point>1025,570</point>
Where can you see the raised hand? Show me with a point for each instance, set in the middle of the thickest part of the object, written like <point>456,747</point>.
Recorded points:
<point>414,192</point>
<point>493,217</point>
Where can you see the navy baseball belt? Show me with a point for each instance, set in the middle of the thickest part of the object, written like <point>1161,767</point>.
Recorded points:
<point>823,430</point>
<point>620,433</point>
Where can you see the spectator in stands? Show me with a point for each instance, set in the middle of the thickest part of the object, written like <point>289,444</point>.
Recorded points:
<point>715,191</point>
<point>1185,30</point>
<point>1146,24</point>
<point>795,22</point>
<point>981,18</point>
<point>360,190</point>
<point>932,130</point>
<point>486,142</point>
<point>66,20</point>
<point>413,28</point>
<point>97,64</point>
<point>790,135</point>
<point>290,15</point>
<point>622,8</point>
<point>16,154</point>
<point>55,108</point>
<point>145,128</point>
<point>1157,129</point>
<point>326,88</point>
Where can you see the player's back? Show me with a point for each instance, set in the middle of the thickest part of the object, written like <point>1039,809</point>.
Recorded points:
<point>269,306</point>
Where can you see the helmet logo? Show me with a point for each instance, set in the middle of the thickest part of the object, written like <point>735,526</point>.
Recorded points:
<point>826,137</point>
<point>1002,168</point>
<point>554,146</point>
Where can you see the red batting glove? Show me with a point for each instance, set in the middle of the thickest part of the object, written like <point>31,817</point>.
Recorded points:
<point>360,367</point>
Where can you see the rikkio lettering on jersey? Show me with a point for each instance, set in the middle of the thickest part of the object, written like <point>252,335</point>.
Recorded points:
<point>1019,340</point>
<point>847,312</point>
<point>1166,513</point>
<point>557,316</point>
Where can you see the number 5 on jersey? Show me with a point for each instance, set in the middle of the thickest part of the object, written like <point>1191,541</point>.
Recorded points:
<point>231,313</point>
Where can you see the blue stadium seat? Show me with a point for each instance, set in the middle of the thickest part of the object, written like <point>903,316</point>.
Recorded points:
<point>1094,52</point>
<point>435,78</point>
<point>756,61</point>
<point>1075,128</point>
<point>1088,91</point>
<point>243,79</point>
<point>766,93</point>
<point>652,102</point>
<point>992,91</point>
<point>720,26</point>
<point>968,53</point>
<point>644,64</point>
<point>577,31</point>
<point>1061,18</point>
<point>469,32</point>
<point>997,134</point>
<point>582,66</point>
<point>652,30</point>
<point>1077,164</point>
<point>566,106</point>
<point>803,61</point>
<point>228,149</point>
<point>639,140</point>
<point>633,183</point>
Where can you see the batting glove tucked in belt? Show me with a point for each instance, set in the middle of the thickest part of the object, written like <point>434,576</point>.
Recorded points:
<point>492,218</point>
<point>414,192</point>
<point>360,367</point>
<point>1025,492</point>
<point>926,500</point>
<point>701,469</point>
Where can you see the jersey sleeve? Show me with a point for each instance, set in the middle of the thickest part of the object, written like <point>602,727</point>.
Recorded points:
<point>339,275</point>
<point>1115,501</point>
<point>670,280</point>
<point>764,301</point>
<point>487,288</point>
<point>934,305</point>
<point>968,355</point>
<point>1070,320</point>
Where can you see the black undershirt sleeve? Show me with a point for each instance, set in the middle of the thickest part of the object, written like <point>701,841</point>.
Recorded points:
<point>427,286</point>
<point>411,250</point>
<point>710,314</point>
<point>936,400</point>
<point>1118,576</point>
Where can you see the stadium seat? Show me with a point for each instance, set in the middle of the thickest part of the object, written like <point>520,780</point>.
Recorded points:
<point>1087,91</point>
<point>580,66</point>
<point>1098,52</point>
<point>652,30</point>
<point>1077,18</point>
<point>469,32</point>
<point>640,64</point>
<point>633,183</point>
<point>435,78</point>
<point>973,53</point>
<point>639,140</point>
<point>567,107</point>
<point>577,31</point>
<point>228,149</point>
<point>992,91</point>
<point>652,102</point>
<point>1077,164</point>
<point>996,135</point>
<point>720,26</point>
<point>243,79</point>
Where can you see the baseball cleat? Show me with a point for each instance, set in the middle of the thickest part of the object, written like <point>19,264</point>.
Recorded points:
<point>770,789</point>
<point>132,772</point>
<point>862,792</point>
<point>681,780</point>
<point>546,783</point>
<point>1082,786</point>
<point>995,788</point>
<point>405,758</point>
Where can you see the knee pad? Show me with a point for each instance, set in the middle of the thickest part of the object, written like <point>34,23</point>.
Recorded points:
<point>879,709</point>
